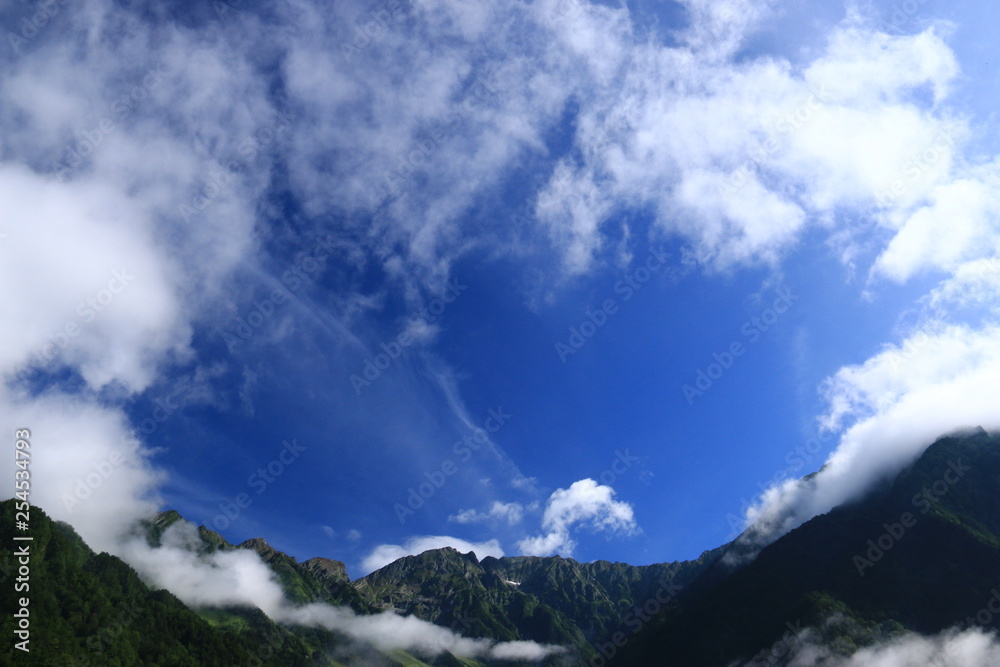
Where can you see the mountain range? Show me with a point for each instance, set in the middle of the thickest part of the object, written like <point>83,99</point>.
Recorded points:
<point>920,553</point>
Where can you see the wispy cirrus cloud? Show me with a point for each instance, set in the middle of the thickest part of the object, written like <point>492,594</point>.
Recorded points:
<point>737,153</point>
<point>241,578</point>
<point>510,513</point>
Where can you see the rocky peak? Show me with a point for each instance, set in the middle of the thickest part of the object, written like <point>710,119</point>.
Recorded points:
<point>325,568</point>
<point>165,519</point>
<point>260,545</point>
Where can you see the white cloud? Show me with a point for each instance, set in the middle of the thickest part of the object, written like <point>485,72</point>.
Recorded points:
<point>584,503</point>
<point>870,68</point>
<point>221,578</point>
<point>719,27</point>
<point>106,302</point>
<point>737,156</point>
<point>511,513</point>
<point>417,154</point>
<point>87,467</point>
<point>547,544</point>
<point>390,631</point>
<point>958,225</point>
<point>902,166</point>
<point>948,649</point>
<point>384,554</point>
<point>523,650</point>
<point>240,578</point>
<point>898,402</point>
<point>656,123</point>
<point>975,283</point>
<point>104,139</point>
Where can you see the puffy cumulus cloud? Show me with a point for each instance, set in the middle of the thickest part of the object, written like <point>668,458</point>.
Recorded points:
<point>384,554</point>
<point>718,28</point>
<point>737,155</point>
<point>754,226</point>
<point>220,578</point>
<point>897,403</point>
<point>584,503</point>
<point>937,210</point>
<point>872,68</point>
<point>241,578</point>
<point>738,158</point>
<point>959,224</point>
<point>547,544</point>
<point>110,132</point>
<point>149,149</point>
<point>95,292</point>
<point>586,500</point>
<point>87,467</point>
<point>972,284</point>
<point>949,649</point>
<point>938,356</point>
<point>510,513</point>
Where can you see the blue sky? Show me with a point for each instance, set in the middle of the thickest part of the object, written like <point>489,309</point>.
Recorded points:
<point>359,260</point>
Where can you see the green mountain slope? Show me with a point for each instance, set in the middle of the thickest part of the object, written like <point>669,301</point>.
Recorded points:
<point>597,597</point>
<point>315,580</point>
<point>549,600</point>
<point>93,609</point>
<point>454,590</point>
<point>921,553</point>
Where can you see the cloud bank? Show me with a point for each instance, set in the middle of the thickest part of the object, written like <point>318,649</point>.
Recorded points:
<point>240,578</point>
<point>949,649</point>
<point>899,401</point>
<point>510,513</point>
<point>141,158</point>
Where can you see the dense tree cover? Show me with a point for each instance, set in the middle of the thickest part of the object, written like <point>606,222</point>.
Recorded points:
<point>93,609</point>
<point>920,553</point>
<point>549,600</point>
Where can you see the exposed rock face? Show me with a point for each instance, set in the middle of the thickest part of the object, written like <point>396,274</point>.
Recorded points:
<point>260,545</point>
<point>334,570</point>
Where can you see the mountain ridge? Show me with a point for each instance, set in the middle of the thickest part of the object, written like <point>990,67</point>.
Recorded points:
<point>918,553</point>
<point>828,565</point>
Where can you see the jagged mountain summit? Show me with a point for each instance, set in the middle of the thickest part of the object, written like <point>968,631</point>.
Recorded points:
<point>921,553</point>
<point>548,600</point>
